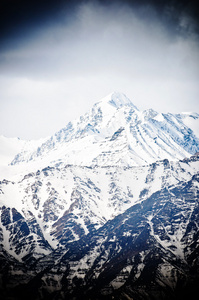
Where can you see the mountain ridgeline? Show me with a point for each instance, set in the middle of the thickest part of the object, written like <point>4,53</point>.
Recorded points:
<point>107,208</point>
<point>115,132</point>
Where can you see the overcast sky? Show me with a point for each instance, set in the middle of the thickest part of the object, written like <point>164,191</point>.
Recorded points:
<point>57,58</point>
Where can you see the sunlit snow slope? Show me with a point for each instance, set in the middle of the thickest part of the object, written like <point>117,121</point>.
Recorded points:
<point>107,208</point>
<point>115,133</point>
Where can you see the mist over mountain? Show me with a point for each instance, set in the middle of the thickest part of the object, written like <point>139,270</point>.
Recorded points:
<point>106,208</point>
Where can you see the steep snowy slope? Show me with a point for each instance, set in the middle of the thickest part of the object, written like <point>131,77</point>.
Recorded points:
<point>9,148</point>
<point>60,205</point>
<point>115,132</point>
<point>150,252</point>
<point>190,120</point>
<point>107,208</point>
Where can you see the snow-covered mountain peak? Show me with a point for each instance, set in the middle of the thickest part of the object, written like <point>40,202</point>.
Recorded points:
<point>117,100</point>
<point>114,132</point>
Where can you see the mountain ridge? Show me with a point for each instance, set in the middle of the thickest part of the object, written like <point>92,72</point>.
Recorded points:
<point>149,251</point>
<point>137,137</point>
<point>107,208</point>
<point>55,197</point>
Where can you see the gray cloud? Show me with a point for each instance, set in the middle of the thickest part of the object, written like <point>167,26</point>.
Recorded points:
<point>63,68</point>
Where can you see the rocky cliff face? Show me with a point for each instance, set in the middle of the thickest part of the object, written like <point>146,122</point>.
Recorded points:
<point>115,228</point>
<point>150,251</point>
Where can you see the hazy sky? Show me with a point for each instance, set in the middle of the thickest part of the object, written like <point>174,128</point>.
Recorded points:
<point>57,58</point>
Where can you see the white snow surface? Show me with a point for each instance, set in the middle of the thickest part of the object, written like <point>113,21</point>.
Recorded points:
<point>113,133</point>
<point>99,165</point>
<point>98,194</point>
<point>9,148</point>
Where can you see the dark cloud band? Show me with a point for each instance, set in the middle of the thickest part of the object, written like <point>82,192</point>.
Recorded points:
<point>19,17</point>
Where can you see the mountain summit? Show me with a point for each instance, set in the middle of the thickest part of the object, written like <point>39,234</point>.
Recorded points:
<point>114,132</point>
<point>106,208</point>
<point>117,100</point>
